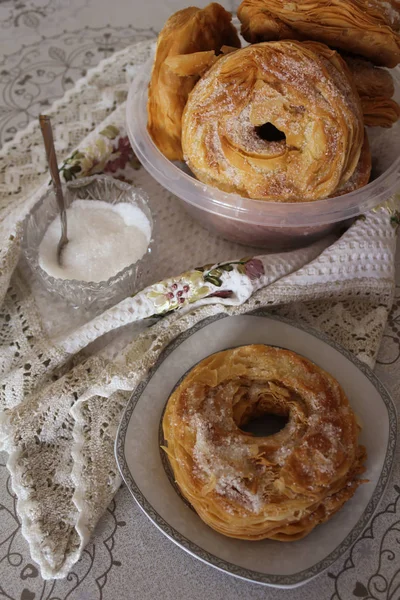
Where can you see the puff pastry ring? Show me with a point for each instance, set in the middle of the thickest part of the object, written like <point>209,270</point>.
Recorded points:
<point>276,121</point>
<point>278,486</point>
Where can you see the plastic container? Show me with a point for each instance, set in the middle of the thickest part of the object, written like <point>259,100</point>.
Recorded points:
<point>87,294</point>
<point>272,225</point>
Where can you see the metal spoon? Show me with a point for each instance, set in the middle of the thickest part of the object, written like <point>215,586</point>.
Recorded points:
<point>47,132</point>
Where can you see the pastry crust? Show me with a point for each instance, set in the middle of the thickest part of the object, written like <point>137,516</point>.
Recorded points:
<point>369,80</point>
<point>186,48</point>
<point>362,173</point>
<point>373,84</point>
<point>380,111</point>
<point>305,91</point>
<point>375,87</point>
<point>369,28</point>
<point>280,486</point>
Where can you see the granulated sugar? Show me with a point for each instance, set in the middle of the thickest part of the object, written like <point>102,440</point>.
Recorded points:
<point>103,240</point>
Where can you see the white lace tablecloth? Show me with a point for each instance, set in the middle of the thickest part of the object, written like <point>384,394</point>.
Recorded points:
<point>49,44</point>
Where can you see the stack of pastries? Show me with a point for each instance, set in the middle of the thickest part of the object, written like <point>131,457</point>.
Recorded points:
<point>282,119</point>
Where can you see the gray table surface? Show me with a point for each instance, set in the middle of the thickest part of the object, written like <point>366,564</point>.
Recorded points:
<point>46,45</point>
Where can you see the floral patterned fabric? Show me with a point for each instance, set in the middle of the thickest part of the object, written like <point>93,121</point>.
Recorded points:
<point>110,153</point>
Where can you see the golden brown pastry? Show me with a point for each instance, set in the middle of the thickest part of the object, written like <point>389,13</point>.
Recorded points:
<point>186,47</point>
<point>369,28</point>
<point>380,111</point>
<point>279,486</point>
<point>373,84</point>
<point>276,121</point>
<point>375,87</point>
<point>370,80</point>
<point>362,173</point>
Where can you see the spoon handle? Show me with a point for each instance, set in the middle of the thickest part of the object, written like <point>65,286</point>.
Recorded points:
<point>47,133</point>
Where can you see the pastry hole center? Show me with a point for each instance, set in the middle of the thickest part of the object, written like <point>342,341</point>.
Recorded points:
<point>269,133</point>
<point>262,417</point>
<point>267,424</point>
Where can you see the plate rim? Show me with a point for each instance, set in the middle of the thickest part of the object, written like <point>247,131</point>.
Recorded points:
<point>283,581</point>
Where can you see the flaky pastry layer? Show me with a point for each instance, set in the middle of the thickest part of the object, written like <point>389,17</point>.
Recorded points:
<point>186,47</point>
<point>369,28</point>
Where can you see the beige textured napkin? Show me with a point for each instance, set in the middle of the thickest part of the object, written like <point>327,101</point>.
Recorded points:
<point>66,378</point>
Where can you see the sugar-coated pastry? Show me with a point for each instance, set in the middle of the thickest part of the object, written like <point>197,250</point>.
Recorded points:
<point>369,28</point>
<point>373,84</point>
<point>279,121</point>
<point>361,174</point>
<point>278,486</point>
<point>186,47</point>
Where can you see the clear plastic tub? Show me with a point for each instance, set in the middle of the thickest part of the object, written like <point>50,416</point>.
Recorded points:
<point>272,225</point>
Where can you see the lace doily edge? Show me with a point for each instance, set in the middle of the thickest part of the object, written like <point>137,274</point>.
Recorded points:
<point>24,505</point>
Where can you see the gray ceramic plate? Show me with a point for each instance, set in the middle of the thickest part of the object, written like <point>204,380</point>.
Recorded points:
<point>267,562</point>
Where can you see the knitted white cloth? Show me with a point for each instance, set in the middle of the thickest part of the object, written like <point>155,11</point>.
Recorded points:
<point>66,375</point>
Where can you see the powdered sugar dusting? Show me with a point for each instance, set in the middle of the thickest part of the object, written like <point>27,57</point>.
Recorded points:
<point>243,468</point>
<point>302,95</point>
<point>390,12</point>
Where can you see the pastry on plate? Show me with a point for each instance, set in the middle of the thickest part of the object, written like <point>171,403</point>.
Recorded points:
<point>370,28</point>
<point>278,121</point>
<point>186,47</point>
<point>278,486</point>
